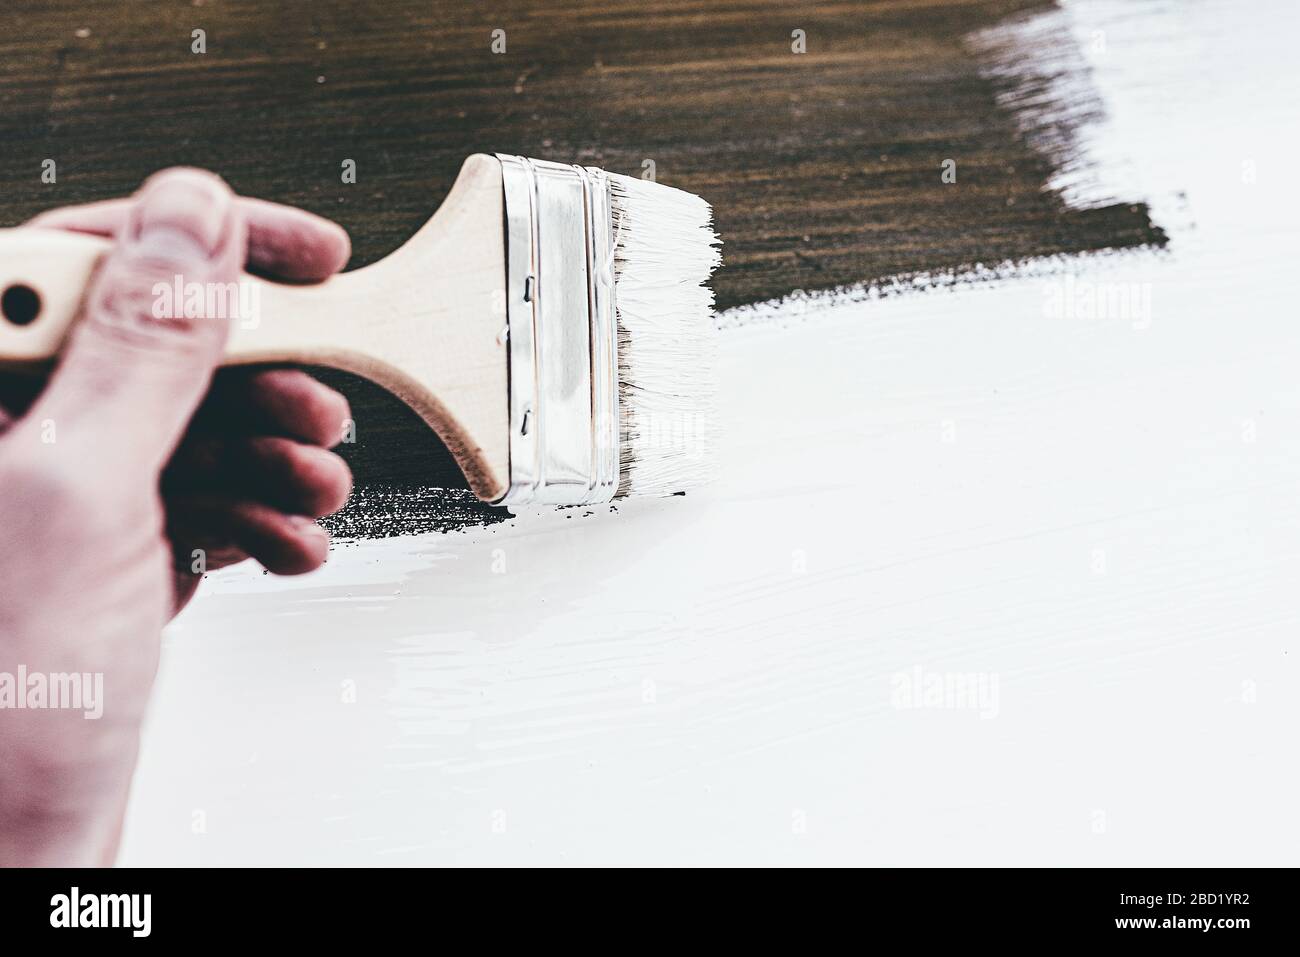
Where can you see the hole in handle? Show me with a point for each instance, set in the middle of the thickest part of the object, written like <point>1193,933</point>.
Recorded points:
<point>20,304</point>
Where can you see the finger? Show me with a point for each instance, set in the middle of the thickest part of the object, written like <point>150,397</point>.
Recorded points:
<point>135,369</point>
<point>217,557</point>
<point>285,544</point>
<point>104,218</point>
<point>294,244</point>
<point>195,552</point>
<point>197,549</point>
<point>283,241</point>
<point>285,402</point>
<point>296,478</point>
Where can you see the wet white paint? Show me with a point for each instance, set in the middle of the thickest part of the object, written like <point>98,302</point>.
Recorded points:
<point>987,578</point>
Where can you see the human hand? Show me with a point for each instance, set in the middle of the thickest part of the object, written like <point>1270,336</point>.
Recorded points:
<point>112,489</point>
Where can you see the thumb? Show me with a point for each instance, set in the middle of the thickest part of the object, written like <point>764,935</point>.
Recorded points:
<point>138,363</point>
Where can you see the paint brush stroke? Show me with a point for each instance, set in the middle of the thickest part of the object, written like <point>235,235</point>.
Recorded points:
<point>379,511</point>
<point>1039,63</point>
<point>1044,80</point>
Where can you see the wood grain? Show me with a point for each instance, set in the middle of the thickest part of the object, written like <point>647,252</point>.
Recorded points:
<point>430,337</point>
<point>823,166</point>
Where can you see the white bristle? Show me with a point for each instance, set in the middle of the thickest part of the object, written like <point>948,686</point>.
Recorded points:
<point>665,249</point>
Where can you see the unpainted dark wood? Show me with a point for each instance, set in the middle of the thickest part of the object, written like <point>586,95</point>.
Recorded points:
<point>823,167</point>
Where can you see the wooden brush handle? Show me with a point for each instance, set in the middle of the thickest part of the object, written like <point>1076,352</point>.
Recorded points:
<point>426,322</point>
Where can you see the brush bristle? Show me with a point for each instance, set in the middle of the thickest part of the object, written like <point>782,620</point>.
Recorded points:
<point>665,249</point>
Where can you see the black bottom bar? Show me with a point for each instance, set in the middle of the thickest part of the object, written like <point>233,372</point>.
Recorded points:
<point>336,907</point>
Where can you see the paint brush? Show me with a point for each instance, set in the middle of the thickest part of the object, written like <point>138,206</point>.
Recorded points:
<point>551,323</point>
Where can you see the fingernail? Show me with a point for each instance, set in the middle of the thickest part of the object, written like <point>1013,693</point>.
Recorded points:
<point>189,206</point>
<point>305,525</point>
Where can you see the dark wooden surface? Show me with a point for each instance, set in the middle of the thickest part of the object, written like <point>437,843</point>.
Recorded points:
<point>823,167</point>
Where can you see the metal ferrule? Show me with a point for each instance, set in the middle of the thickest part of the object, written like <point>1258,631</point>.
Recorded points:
<point>563,347</point>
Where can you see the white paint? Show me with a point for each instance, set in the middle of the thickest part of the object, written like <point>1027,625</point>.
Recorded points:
<point>1092,525</point>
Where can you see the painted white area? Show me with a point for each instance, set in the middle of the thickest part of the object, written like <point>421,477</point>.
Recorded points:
<point>1098,517</point>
